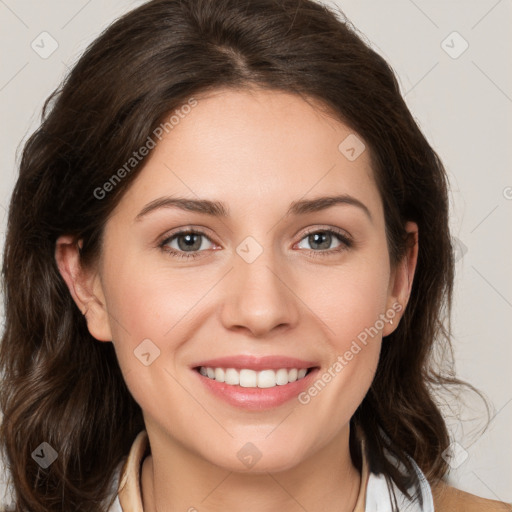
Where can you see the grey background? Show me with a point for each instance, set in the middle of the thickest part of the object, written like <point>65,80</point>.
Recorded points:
<point>462,101</point>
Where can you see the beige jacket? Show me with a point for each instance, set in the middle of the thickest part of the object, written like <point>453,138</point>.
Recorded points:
<point>449,499</point>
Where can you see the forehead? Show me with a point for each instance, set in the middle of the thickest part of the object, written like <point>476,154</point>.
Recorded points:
<point>256,148</point>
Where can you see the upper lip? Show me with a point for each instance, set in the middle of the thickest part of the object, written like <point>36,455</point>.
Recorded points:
<point>256,363</point>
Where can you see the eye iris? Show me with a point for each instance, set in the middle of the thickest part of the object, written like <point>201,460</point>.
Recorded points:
<point>192,242</point>
<point>316,238</point>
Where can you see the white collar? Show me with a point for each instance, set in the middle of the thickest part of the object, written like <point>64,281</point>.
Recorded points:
<point>378,495</point>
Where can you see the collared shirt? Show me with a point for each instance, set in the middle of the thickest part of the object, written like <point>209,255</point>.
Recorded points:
<point>374,494</point>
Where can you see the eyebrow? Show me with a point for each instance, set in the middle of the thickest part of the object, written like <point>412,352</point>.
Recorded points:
<point>219,209</point>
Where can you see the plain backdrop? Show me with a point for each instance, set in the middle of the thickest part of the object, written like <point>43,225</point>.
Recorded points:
<point>453,60</point>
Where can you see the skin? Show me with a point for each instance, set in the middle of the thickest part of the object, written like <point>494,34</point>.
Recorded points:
<point>257,151</point>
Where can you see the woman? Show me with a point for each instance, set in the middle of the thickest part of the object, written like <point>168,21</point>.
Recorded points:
<point>233,246</point>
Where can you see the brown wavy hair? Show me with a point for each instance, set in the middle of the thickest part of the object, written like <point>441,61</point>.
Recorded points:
<point>62,386</point>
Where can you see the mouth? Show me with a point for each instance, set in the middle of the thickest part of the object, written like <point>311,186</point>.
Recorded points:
<point>255,390</point>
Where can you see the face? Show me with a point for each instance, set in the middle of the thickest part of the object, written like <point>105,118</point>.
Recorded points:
<point>281,281</point>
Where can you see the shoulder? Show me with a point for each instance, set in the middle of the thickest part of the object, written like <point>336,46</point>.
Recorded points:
<point>450,499</point>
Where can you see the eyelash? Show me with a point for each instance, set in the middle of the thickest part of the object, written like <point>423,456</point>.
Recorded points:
<point>346,243</point>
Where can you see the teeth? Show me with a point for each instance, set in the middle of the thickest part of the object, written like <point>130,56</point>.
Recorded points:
<point>232,377</point>
<point>253,379</point>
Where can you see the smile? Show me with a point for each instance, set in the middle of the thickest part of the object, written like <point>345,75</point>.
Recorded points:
<point>248,378</point>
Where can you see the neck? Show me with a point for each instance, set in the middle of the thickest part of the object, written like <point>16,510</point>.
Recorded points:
<point>327,481</point>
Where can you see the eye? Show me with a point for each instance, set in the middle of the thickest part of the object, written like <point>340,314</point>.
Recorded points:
<point>185,244</point>
<point>321,241</point>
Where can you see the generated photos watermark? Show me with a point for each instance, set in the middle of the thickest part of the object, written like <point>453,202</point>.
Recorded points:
<point>343,360</point>
<point>137,156</point>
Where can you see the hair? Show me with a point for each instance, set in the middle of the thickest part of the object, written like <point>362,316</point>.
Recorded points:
<point>62,386</point>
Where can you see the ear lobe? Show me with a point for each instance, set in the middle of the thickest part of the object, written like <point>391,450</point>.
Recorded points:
<point>84,286</point>
<point>403,275</point>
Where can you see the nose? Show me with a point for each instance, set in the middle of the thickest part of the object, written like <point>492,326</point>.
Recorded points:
<point>259,296</point>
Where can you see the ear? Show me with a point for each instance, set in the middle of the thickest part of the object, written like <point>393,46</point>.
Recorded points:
<point>85,287</point>
<point>401,279</point>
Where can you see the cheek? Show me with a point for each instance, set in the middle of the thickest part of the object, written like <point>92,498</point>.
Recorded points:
<point>152,312</point>
<point>148,306</point>
<point>153,305</point>
<point>350,298</point>
<point>352,309</point>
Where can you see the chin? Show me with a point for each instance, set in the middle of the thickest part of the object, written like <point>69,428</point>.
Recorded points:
<point>252,457</point>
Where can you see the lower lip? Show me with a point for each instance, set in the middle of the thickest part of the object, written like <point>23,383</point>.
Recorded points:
<point>257,399</point>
